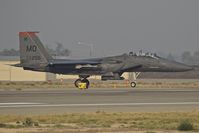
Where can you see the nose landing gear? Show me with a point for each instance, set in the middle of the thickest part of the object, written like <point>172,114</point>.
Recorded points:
<point>133,84</point>
<point>134,76</point>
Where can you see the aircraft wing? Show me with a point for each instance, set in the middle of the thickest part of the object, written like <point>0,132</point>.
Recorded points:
<point>132,68</point>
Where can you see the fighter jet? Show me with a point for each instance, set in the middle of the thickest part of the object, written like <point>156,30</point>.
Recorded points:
<point>34,57</point>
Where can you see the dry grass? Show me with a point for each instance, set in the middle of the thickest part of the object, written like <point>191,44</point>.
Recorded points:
<point>114,121</point>
<point>169,85</point>
<point>31,85</point>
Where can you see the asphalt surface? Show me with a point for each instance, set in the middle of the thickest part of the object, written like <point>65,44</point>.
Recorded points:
<point>52,101</point>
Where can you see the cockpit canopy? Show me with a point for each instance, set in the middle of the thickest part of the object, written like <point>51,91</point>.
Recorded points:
<point>140,53</point>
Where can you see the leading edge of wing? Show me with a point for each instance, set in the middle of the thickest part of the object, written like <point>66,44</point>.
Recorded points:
<point>131,68</point>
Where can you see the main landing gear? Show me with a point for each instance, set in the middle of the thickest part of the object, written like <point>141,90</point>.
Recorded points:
<point>82,79</point>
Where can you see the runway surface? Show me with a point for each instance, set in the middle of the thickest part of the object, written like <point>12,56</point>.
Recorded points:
<point>52,101</point>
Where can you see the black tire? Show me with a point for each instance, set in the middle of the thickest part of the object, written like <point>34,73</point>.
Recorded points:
<point>133,84</point>
<point>77,82</point>
<point>87,82</point>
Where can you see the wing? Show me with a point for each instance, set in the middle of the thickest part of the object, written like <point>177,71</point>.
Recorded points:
<point>132,68</point>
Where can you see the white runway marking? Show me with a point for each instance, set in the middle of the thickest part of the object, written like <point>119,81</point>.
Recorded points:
<point>21,103</point>
<point>158,90</point>
<point>24,105</point>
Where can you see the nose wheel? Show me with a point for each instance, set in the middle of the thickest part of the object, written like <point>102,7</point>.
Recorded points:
<point>78,81</point>
<point>133,84</point>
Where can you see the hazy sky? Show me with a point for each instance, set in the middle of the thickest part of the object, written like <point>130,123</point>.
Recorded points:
<point>112,26</point>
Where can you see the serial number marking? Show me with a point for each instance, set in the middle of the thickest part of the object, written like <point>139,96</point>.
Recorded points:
<point>33,58</point>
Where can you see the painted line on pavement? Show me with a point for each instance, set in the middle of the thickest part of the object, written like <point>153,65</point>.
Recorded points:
<point>22,105</point>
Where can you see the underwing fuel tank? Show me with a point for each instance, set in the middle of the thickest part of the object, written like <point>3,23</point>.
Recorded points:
<point>111,76</point>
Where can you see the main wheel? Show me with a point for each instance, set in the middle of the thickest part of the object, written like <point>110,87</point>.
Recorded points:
<point>133,84</point>
<point>77,82</point>
<point>87,82</point>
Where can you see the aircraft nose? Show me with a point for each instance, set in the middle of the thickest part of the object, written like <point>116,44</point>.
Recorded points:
<point>178,67</point>
<point>173,66</point>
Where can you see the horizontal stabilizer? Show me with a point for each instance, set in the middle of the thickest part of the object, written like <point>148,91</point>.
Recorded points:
<point>15,65</point>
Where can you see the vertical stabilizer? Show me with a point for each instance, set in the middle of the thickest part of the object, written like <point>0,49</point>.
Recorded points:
<point>32,51</point>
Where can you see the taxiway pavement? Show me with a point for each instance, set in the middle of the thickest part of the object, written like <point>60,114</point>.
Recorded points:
<point>54,101</point>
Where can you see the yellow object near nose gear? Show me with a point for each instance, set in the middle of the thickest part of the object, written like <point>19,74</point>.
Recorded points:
<point>82,86</point>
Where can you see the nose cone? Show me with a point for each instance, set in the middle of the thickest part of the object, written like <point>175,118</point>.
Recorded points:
<point>178,67</point>
<point>181,67</point>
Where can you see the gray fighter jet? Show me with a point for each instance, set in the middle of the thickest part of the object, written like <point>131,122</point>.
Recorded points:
<point>34,57</point>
